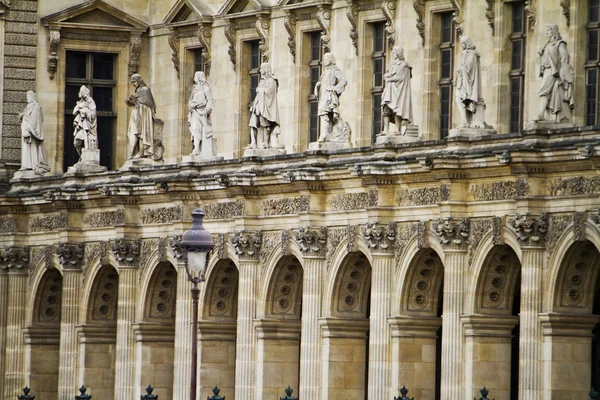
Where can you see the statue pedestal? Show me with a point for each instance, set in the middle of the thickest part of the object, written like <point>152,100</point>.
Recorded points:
<point>29,174</point>
<point>248,152</point>
<point>139,163</point>
<point>329,145</point>
<point>532,125</point>
<point>89,163</point>
<point>471,133</point>
<point>199,158</point>
<point>409,134</point>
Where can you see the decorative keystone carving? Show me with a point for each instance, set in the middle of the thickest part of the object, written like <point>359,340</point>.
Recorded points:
<point>174,38</point>
<point>530,230</point>
<point>452,232</point>
<point>14,257</point>
<point>70,255</point>
<point>380,238</point>
<point>54,38</point>
<point>127,251</point>
<point>135,43</point>
<point>175,246</point>
<point>247,244</point>
<point>312,241</point>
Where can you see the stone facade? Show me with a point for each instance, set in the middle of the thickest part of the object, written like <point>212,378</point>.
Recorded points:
<point>439,265</point>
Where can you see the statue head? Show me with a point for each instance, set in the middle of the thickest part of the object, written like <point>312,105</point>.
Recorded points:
<point>84,93</point>
<point>265,70</point>
<point>30,96</point>
<point>398,52</point>
<point>137,80</point>
<point>552,31</point>
<point>199,77</point>
<point>328,59</point>
<point>466,43</point>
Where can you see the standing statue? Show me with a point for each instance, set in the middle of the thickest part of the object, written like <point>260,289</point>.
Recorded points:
<point>33,157</point>
<point>85,123</point>
<point>468,87</point>
<point>557,79</point>
<point>264,113</point>
<point>396,100</point>
<point>328,89</point>
<point>145,130</point>
<point>200,106</point>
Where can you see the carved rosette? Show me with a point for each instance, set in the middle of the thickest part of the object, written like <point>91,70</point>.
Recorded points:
<point>530,230</point>
<point>204,36</point>
<point>290,25</point>
<point>126,251</point>
<point>380,239</point>
<point>70,255</point>
<point>135,45</point>
<point>312,242</point>
<point>452,232</point>
<point>54,38</point>
<point>14,257</point>
<point>247,245</point>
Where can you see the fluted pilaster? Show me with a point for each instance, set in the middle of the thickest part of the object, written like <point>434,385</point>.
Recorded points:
<point>379,354</point>
<point>452,343</point>
<point>69,345</point>
<point>311,332</point>
<point>16,307</point>
<point>530,339</point>
<point>183,336</point>
<point>244,364</point>
<point>3,317</point>
<point>125,360</point>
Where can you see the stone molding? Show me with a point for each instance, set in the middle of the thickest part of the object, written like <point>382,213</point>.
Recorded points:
<point>530,230</point>
<point>286,205</point>
<point>452,233</point>
<point>34,335</point>
<point>153,332</point>
<point>70,255</point>
<point>350,328</point>
<point>568,325</point>
<point>312,242</point>
<point>96,334</point>
<point>127,251</point>
<point>414,327</point>
<point>226,210</point>
<point>15,258</point>
<point>284,329</point>
<point>261,23</point>
<point>488,326</point>
<point>161,215</point>
<point>49,223</point>
<point>247,244</point>
<point>380,239</point>
<point>353,201</point>
<point>102,219</point>
<point>217,331</point>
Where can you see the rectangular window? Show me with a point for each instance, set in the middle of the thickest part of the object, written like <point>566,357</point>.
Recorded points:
<point>198,60</point>
<point>314,65</point>
<point>517,66</point>
<point>446,67</point>
<point>378,57</point>
<point>254,70</point>
<point>592,63</point>
<point>97,72</point>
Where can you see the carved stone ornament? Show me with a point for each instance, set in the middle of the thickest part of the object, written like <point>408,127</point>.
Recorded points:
<point>352,14</point>
<point>504,158</point>
<point>579,226</point>
<point>127,251</point>
<point>406,232</point>
<point>351,236</point>
<point>49,223</point>
<point>289,22</point>
<point>229,209</point>
<point>381,239</point>
<point>230,34</point>
<point>104,218</point>
<point>575,186</point>
<point>7,224</point>
<point>324,19</point>
<point>285,241</point>
<point>490,14</point>
<point>490,191</point>
<point>566,10</point>
<point>262,28</point>
<point>219,241</point>
<point>457,17</point>
<point>284,206</point>
<point>557,225</point>
<point>353,201</point>
<point>14,257</point>
<point>70,255</point>
<point>54,38</point>
<point>174,38</point>
<point>419,6</point>
<point>531,231</point>
<point>246,244</point>
<point>530,11</point>
<point>479,227</point>
<point>175,246</point>
<point>586,151</point>
<point>161,215</point>
<point>451,232</point>
<point>204,36</point>
<point>312,241</point>
<point>389,10</point>
<point>419,196</point>
<point>135,45</point>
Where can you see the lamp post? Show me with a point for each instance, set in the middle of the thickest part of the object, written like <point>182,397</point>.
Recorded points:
<point>196,244</point>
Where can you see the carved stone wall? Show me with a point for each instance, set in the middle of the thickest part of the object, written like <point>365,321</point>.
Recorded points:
<point>20,51</point>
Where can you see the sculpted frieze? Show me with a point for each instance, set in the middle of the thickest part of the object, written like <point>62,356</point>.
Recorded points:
<point>380,239</point>
<point>312,241</point>
<point>406,232</point>
<point>175,246</point>
<point>104,218</point>
<point>557,224</point>
<point>494,191</point>
<point>530,230</point>
<point>269,241</point>
<point>247,245</point>
<point>161,215</point>
<point>225,210</point>
<point>420,197</point>
<point>219,241</point>
<point>284,206</point>
<point>7,224</point>
<point>452,232</point>
<point>49,223</point>
<point>14,257</point>
<point>127,251</point>
<point>148,248</point>
<point>353,201</point>
<point>522,187</point>
<point>575,186</point>
<point>70,255</point>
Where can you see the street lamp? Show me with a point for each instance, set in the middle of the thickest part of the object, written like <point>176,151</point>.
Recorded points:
<point>196,244</point>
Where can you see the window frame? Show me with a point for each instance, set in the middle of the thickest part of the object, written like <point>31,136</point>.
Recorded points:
<point>377,91</point>
<point>592,65</point>
<point>446,83</point>
<point>517,74</point>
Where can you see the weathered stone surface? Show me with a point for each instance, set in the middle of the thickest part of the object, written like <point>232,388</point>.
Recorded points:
<point>20,51</point>
<point>20,39</point>
<point>22,16</point>
<point>19,62</point>
<point>13,84</point>
<point>23,5</point>
<point>19,27</point>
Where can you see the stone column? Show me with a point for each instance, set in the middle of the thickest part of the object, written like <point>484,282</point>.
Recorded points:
<point>413,355</point>
<point>69,341</point>
<point>310,338</point>
<point>379,335</point>
<point>567,340</point>
<point>487,358</point>
<point>3,316</point>
<point>247,247</point>
<point>16,308</point>
<point>183,336</point>
<point>127,254</point>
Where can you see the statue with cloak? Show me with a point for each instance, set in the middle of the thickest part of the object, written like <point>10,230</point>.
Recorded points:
<point>33,157</point>
<point>145,130</point>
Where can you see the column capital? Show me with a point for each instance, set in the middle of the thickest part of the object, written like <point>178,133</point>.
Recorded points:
<point>70,255</point>
<point>452,233</point>
<point>14,258</point>
<point>380,238</point>
<point>312,241</point>
<point>530,230</point>
<point>414,326</point>
<point>127,251</point>
<point>569,325</point>
<point>489,325</point>
<point>247,244</point>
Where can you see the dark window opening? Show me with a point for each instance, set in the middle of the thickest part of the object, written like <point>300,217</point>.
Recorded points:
<point>517,67</point>
<point>446,67</point>
<point>314,65</point>
<point>378,58</point>
<point>592,64</point>
<point>198,60</point>
<point>254,70</point>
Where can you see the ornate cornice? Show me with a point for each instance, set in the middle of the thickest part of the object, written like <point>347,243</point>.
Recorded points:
<point>380,239</point>
<point>14,257</point>
<point>247,245</point>
<point>70,255</point>
<point>312,242</point>
<point>127,251</point>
